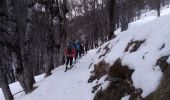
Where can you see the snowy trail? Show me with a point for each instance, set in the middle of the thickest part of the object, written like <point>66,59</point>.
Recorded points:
<point>70,85</point>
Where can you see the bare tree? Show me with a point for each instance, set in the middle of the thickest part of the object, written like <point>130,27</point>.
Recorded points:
<point>4,82</point>
<point>27,55</point>
<point>3,45</point>
<point>111,14</point>
<point>158,7</point>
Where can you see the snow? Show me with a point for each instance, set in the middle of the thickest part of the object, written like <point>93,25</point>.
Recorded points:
<point>126,97</point>
<point>147,17</point>
<point>15,87</point>
<point>72,85</point>
<point>17,90</point>
<point>168,60</point>
<point>156,33</point>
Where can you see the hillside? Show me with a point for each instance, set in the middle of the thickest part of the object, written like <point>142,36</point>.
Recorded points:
<point>138,50</point>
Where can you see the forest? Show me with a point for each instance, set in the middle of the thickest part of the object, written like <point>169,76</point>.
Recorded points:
<point>34,33</point>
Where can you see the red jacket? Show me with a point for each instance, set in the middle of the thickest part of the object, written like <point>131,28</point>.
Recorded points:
<point>70,54</point>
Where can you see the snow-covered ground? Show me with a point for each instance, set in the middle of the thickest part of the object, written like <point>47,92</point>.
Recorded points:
<point>73,85</point>
<point>70,85</point>
<point>156,34</point>
<point>17,90</point>
<point>147,17</point>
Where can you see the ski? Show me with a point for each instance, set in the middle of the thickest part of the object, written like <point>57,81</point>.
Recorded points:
<point>73,64</point>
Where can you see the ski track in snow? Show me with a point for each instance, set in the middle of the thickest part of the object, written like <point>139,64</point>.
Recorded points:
<point>70,85</point>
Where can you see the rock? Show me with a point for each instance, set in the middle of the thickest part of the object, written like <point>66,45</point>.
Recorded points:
<point>163,91</point>
<point>99,71</point>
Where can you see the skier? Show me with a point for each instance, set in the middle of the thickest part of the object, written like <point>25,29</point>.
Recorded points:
<point>96,44</point>
<point>76,45</point>
<point>70,52</point>
<point>86,46</point>
<point>82,48</point>
<point>78,49</point>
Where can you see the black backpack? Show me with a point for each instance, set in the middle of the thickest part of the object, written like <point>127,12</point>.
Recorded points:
<point>69,49</point>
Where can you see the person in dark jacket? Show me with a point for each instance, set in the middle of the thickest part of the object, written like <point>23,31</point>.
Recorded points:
<point>86,46</point>
<point>77,45</point>
<point>78,49</point>
<point>70,53</point>
<point>82,48</point>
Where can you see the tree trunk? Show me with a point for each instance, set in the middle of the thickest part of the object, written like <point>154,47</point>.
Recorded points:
<point>158,7</point>
<point>50,42</point>
<point>63,32</point>
<point>27,53</point>
<point>3,31</point>
<point>50,52</point>
<point>4,85</point>
<point>19,67</point>
<point>20,13</point>
<point>3,79</point>
<point>111,14</point>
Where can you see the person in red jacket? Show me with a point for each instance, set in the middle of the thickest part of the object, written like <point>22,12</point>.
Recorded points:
<point>70,53</point>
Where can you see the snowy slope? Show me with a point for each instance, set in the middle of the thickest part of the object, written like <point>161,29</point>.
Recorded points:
<point>73,85</point>
<point>147,17</point>
<point>17,90</point>
<point>156,36</point>
<point>70,85</point>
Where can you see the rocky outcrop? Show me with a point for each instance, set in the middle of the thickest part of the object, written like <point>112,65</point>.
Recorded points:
<point>119,72</point>
<point>134,45</point>
<point>162,63</point>
<point>163,91</point>
<point>120,84</point>
<point>99,71</point>
<point>106,49</point>
<point>115,91</point>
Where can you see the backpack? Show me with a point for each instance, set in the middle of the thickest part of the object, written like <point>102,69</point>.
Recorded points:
<point>78,45</point>
<point>75,45</point>
<point>69,49</point>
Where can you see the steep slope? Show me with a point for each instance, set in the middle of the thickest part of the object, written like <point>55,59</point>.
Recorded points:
<point>142,49</point>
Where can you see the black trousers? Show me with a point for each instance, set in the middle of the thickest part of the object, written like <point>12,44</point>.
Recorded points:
<point>69,60</point>
<point>80,52</point>
<point>77,54</point>
<point>86,49</point>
